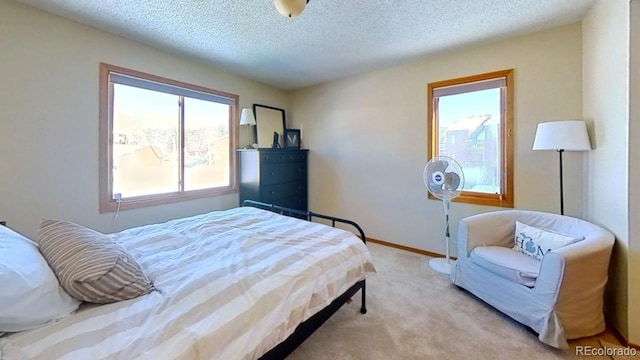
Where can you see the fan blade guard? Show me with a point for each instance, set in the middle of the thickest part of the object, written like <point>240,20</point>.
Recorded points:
<point>443,177</point>
<point>434,177</point>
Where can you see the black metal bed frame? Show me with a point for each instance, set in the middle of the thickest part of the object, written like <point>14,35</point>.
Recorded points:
<point>306,328</point>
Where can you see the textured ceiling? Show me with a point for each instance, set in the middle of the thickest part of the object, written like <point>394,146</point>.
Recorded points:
<point>331,39</point>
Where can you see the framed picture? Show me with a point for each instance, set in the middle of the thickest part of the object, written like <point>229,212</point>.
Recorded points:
<point>292,139</point>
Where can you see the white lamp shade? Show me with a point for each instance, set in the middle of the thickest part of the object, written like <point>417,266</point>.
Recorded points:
<point>246,117</point>
<point>290,8</point>
<point>567,135</point>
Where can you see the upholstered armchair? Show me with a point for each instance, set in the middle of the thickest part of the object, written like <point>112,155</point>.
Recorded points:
<point>559,297</point>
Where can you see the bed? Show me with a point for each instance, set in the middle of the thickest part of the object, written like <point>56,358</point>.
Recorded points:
<point>244,283</point>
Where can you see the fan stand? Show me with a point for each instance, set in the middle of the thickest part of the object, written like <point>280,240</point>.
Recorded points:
<point>444,265</point>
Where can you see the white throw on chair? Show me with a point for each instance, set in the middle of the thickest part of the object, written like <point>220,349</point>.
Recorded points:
<point>559,297</point>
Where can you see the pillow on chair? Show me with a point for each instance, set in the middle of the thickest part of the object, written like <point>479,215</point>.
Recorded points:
<point>536,242</point>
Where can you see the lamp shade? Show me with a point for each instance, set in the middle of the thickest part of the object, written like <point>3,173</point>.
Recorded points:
<point>290,8</point>
<point>246,117</point>
<point>567,135</point>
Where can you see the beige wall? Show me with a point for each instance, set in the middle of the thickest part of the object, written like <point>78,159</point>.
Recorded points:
<point>606,108</point>
<point>367,133</point>
<point>367,136</point>
<point>634,176</point>
<point>49,117</point>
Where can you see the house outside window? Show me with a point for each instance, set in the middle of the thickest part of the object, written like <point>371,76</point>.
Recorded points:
<point>162,140</point>
<point>470,119</point>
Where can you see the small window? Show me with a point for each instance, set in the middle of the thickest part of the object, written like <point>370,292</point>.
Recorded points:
<point>471,120</point>
<point>162,140</point>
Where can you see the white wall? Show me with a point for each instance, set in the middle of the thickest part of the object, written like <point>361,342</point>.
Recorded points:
<point>368,136</point>
<point>49,117</point>
<point>606,107</point>
<point>634,176</point>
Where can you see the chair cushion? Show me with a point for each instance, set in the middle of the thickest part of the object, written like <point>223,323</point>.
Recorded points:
<point>507,263</point>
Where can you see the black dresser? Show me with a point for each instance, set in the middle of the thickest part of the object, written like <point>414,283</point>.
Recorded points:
<point>275,176</point>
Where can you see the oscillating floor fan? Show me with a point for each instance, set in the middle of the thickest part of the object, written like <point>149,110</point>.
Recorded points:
<point>444,179</point>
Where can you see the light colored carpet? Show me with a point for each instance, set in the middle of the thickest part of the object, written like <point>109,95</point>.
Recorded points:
<point>415,313</point>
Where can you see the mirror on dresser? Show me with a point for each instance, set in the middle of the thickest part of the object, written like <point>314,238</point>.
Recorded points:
<point>269,120</point>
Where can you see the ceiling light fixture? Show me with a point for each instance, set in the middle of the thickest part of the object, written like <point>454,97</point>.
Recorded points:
<point>290,8</point>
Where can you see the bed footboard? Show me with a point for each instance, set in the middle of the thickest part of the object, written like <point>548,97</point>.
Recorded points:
<point>304,330</point>
<point>308,215</point>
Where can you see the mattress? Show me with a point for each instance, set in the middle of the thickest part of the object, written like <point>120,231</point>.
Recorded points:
<point>229,285</point>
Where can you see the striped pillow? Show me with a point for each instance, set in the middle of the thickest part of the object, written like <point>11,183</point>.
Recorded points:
<point>89,265</point>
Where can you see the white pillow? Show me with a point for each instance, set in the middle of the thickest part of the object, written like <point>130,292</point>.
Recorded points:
<point>536,242</point>
<point>30,295</point>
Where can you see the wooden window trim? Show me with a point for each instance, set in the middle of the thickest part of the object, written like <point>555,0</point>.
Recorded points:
<point>507,144</point>
<point>106,201</point>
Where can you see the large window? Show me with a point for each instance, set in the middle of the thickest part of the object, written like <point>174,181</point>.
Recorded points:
<point>162,140</point>
<point>471,120</point>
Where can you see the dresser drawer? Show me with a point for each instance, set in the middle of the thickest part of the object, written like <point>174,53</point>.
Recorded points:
<point>274,192</point>
<point>283,157</point>
<point>283,172</point>
<point>298,202</point>
<point>276,176</point>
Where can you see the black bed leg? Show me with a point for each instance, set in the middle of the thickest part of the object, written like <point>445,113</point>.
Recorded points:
<point>363,309</point>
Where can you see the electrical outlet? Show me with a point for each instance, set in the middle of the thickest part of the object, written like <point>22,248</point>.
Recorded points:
<point>117,197</point>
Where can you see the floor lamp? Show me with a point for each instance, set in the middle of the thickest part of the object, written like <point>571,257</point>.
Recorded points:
<point>566,135</point>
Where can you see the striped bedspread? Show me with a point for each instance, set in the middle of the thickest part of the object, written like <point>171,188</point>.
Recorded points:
<point>230,285</point>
